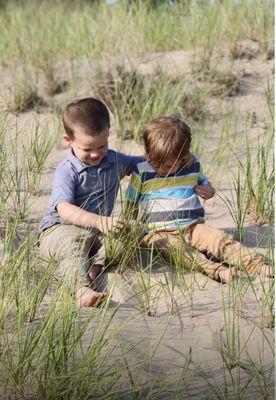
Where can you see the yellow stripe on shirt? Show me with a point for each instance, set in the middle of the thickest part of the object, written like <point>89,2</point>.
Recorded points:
<point>166,183</point>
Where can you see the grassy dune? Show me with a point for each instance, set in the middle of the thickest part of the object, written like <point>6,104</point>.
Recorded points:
<point>50,350</point>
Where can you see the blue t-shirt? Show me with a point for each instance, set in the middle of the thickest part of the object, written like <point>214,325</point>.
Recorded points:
<point>93,188</point>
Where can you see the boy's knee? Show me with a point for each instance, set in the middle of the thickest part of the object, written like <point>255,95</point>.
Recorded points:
<point>65,241</point>
<point>211,240</point>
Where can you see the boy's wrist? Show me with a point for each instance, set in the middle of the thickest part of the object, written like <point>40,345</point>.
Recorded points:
<point>97,222</point>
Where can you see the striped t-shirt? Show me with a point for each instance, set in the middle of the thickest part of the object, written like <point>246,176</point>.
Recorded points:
<point>166,202</point>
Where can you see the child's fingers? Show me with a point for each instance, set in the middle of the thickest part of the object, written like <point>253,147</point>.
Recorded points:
<point>111,224</point>
<point>203,192</point>
<point>200,190</point>
<point>115,225</point>
<point>118,226</point>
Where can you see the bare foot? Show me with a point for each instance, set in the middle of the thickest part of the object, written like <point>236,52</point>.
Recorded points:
<point>266,271</point>
<point>87,297</point>
<point>227,274</point>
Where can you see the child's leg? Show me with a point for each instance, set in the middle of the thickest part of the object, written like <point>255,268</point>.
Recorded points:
<point>168,243</point>
<point>222,246</point>
<point>107,252</point>
<point>70,246</point>
<point>96,259</point>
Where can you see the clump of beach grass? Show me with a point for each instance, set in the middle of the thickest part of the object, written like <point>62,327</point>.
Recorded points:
<point>255,193</point>
<point>36,153</point>
<point>223,83</point>
<point>61,32</point>
<point>135,99</point>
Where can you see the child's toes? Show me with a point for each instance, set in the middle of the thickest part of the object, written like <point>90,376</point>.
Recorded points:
<point>87,297</point>
<point>266,271</point>
<point>227,274</point>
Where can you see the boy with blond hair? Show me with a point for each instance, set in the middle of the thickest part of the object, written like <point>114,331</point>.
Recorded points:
<point>83,195</point>
<point>166,190</point>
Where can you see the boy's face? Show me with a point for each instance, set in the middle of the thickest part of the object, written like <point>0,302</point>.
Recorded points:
<point>170,166</point>
<point>89,149</point>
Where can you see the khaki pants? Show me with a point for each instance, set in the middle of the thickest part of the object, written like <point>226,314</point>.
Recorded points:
<point>206,247</point>
<point>75,249</point>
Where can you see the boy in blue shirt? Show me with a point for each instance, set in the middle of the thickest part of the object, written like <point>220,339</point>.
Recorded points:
<point>84,191</point>
<point>166,190</point>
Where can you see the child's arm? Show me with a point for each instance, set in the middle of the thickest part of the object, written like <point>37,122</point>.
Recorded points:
<point>77,216</point>
<point>205,191</point>
<point>63,198</point>
<point>204,188</point>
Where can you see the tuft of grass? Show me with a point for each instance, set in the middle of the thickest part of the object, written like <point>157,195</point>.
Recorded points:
<point>61,31</point>
<point>217,82</point>
<point>24,98</point>
<point>146,291</point>
<point>23,94</point>
<point>193,105</point>
<point>259,182</point>
<point>246,51</point>
<point>36,153</point>
<point>135,99</point>
<point>223,83</point>
<point>253,178</point>
<point>237,204</point>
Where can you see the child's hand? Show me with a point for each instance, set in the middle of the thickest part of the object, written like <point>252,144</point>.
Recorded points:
<point>205,191</point>
<point>109,224</point>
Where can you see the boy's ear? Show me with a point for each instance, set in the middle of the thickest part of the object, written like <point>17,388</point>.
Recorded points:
<point>68,139</point>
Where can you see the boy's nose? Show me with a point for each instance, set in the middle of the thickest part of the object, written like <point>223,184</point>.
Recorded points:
<point>94,155</point>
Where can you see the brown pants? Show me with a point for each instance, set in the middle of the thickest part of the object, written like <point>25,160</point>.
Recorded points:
<point>203,246</point>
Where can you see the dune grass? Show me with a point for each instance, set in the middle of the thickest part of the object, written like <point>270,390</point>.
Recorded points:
<point>93,29</point>
<point>50,350</point>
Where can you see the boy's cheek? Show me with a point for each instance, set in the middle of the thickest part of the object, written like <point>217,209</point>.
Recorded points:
<point>189,160</point>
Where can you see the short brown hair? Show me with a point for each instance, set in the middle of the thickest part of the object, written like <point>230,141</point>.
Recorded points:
<point>88,115</point>
<point>166,137</point>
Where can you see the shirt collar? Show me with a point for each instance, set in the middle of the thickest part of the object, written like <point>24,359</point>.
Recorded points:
<point>80,166</point>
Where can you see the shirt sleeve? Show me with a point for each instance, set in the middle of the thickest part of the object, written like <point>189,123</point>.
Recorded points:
<point>130,163</point>
<point>64,185</point>
<point>202,179</point>
<point>133,192</point>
